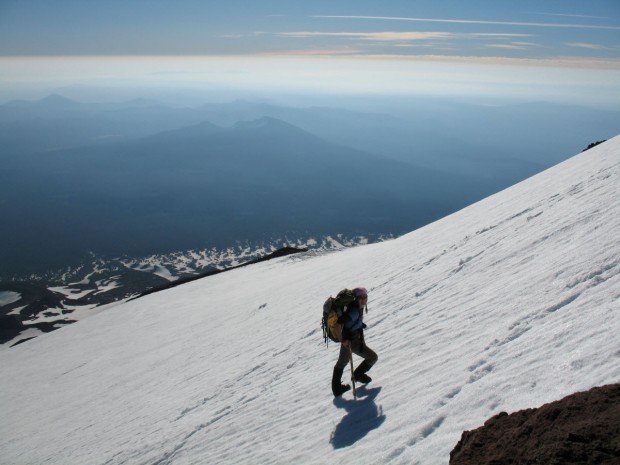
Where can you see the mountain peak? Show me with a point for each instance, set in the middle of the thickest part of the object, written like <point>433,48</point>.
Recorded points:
<point>183,134</point>
<point>264,122</point>
<point>52,101</point>
<point>272,127</point>
<point>144,102</point>
<point>57,100</point>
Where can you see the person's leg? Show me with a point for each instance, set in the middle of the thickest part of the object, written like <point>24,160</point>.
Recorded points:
<point>343,358</point>
<point>370,358</point>
<point>361,349</point>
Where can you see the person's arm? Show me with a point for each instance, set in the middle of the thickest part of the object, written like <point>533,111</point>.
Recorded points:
<point>338,331</point>
<point>339,334</point>
<point>344,336</point>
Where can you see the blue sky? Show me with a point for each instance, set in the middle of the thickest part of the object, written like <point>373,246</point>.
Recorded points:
<point>564,50</point>
<point>514,29</point>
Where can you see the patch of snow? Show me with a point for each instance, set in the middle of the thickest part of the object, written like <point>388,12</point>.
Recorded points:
<point>151,265</point>
<point>50,315</point>
<point>107,287</point>
<point>9,297</point>
<point>69,293</point>
<point>86,279</point>
<point>16,311</point>
<point>163,272</point>
<point>333,243</point>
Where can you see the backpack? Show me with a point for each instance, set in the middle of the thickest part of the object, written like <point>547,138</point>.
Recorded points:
<point>332,309</point>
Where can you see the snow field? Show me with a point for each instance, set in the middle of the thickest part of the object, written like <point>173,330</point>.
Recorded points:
<point>8,297</point>
<point>507,304</point>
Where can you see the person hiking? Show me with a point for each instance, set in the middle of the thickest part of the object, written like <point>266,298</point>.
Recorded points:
<point>349,330</point>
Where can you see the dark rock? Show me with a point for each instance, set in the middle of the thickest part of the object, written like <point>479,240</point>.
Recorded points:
<point>583,428</point>
<point>594,144</point>
<point>10,326</point>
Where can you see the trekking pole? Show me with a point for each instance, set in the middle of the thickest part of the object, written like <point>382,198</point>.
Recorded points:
<point>352,375</point>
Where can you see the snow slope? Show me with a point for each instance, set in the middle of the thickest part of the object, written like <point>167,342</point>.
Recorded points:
<point>507,304</point>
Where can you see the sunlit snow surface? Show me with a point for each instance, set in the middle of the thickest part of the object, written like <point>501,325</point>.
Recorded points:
<point>8,297</point>
<point>507,304</point>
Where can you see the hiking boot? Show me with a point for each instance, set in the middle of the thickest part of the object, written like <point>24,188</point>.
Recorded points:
<point>337,387</point>
<point>363,378</point>
<point>360,373</point>
<point>341,390</point>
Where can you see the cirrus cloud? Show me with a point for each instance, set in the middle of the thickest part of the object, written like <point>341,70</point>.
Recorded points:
<point>586,45</point>
<point>386,36</point>
<point>470,21</point>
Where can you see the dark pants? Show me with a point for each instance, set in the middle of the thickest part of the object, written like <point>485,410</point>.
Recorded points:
<point>358,347</point>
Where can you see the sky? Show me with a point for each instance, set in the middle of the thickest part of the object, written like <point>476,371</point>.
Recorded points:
<point>312,46</point>
<point>524,29</point>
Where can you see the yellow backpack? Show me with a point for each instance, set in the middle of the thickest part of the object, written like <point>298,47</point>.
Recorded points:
<point>332,310</point>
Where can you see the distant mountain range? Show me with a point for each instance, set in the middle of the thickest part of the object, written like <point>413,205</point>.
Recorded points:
<point>429,131</point>
<point>143,179</point>
<point>208,186</point>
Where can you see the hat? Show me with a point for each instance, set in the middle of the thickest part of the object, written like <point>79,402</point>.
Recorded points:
<point>360,292</point>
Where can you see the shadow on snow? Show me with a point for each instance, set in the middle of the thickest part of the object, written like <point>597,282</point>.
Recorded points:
<point>363,415</point>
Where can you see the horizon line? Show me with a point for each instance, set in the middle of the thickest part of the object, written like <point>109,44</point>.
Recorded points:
<point>332,55</point>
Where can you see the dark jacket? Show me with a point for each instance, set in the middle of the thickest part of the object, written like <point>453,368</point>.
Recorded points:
<point>352,321</point>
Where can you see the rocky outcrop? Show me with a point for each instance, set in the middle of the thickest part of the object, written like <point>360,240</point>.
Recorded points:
<point>594,144</point>
<point>583,428</point>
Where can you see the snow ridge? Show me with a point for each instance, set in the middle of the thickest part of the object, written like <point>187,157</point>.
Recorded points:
<point>508,304</point>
